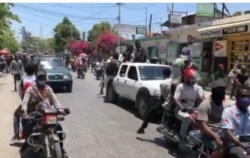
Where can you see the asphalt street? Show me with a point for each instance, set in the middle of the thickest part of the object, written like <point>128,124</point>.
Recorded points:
<point>95,129</point>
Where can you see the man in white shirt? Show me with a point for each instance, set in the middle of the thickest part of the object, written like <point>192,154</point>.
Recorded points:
<point>185,96</point>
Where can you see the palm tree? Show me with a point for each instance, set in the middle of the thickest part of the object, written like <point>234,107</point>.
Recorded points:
<point>25,34</point>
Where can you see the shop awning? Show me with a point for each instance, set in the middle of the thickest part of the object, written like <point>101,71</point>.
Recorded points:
<point>223,26</point>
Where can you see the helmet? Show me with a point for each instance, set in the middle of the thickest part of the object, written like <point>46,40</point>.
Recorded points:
<point>185,51</point>
<point>189,73</point>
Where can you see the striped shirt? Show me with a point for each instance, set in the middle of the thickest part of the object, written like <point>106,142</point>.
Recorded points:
<point>33,97</point>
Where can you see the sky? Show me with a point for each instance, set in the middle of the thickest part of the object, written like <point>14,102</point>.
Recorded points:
<point>41,18</point>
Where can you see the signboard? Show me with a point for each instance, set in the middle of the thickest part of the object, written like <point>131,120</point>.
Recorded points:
<point>205,9</point>
<point>141,30</point>
<point>220,48</point>
<point>126,29</point>
<point>211,33</point>
<point>175,18</point>
<point>236,29</point>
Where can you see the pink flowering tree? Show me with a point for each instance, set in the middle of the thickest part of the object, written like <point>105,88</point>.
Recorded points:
<point>107,41</point>
<point>77,47</point>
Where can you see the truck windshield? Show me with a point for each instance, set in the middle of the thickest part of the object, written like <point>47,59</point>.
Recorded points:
<point>151,72</point>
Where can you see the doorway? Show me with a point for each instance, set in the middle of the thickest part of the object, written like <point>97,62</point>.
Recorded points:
<point>207,56</point>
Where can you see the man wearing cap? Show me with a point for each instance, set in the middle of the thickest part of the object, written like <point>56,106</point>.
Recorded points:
<point>35,94</point>
<point>220,73</point>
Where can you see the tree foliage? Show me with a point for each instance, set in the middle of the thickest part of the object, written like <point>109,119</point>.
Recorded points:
<point>64,33</point>
<point>5,21</point>
<point>78,47</point>
<point>10,41</point>
<point>237,13</point>
<point>107,41</point>
<point>97,29</point>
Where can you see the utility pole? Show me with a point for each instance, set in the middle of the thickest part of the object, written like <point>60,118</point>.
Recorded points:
<point>118,26</point>
<point>146,19</point>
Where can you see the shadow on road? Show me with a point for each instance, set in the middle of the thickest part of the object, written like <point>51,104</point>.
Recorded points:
<point>176,151</point>
<point>17,144</point>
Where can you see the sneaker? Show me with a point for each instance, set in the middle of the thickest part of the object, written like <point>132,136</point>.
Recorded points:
<point>140,131</point>
<point>65,155</point>
<point>15,138</point>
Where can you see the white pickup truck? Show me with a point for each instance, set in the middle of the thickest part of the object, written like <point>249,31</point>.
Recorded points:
<point>138,82</point>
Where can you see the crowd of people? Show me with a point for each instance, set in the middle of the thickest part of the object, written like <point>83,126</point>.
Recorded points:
<point>182,87</point>
<point>233,120</point>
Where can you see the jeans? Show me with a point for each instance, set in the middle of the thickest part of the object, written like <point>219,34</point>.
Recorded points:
<point>186,122</point>
<point>16,124</point>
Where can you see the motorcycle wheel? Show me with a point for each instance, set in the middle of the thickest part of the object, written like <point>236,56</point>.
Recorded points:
<point>56,150</point>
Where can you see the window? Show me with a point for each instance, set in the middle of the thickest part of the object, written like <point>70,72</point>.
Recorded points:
<point>152,72</point>
<point>132,73</point>
<point>123,70</point>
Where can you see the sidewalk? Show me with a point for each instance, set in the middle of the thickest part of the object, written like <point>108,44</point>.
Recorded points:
<point>9,101</point>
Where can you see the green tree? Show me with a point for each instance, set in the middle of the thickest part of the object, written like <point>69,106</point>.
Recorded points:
<point>10,41</point>
<point>26,41</point>
<point>97,29</point>
<point>65,32</point>
<point>5,21</point>
<point>237,13</point>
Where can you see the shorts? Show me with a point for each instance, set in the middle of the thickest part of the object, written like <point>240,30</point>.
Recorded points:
<point>17,77</point>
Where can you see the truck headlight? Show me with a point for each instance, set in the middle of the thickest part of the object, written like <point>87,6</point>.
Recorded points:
<point>66,77</point>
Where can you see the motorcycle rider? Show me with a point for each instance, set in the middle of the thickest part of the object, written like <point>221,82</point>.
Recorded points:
<point>35,94</point>
<point>185,96</point>
<point>151,111</point>
<point>210,112</point>
<point>26,81</point>
<point>236,122</point>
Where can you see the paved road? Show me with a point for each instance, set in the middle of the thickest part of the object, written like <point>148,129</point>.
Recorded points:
<point>94,129</point>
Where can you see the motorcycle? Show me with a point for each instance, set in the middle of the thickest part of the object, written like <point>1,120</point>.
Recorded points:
<point>43,142</point>
<point>170,125</point>
<point>81,72</point>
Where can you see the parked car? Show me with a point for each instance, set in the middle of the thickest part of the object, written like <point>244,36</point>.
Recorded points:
<point>58,75</point>
<point>138,82</point>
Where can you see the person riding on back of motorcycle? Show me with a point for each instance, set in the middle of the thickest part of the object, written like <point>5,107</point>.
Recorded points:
<point>34,95</point>
<point>185,97</point>
<point>236,123</point>
<point>26,81</point>
<point>210,112</point>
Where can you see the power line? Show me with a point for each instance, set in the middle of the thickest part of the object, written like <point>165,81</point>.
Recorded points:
<point>48,12</point>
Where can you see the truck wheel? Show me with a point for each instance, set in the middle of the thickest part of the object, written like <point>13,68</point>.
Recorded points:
<point>142,105</point>
<point>111,94</point>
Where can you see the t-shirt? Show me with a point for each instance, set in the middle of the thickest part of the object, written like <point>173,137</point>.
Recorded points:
<point>209,112</point>
<point>16,67</point>
<point>188,94</point>
<point>25,83</point>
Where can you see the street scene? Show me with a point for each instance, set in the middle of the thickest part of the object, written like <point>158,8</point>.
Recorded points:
<point>172,87</point>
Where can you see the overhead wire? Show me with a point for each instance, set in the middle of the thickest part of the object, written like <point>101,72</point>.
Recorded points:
<point>47,12</point>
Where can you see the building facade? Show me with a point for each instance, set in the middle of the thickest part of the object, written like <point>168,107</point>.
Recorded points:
<point>230,39</point>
